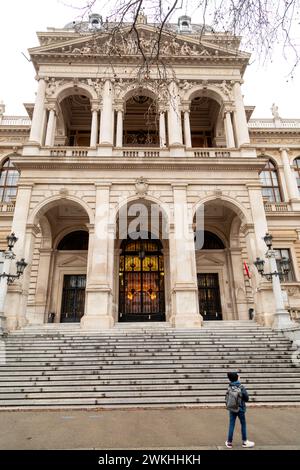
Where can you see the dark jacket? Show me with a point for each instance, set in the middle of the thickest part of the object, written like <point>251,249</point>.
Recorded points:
<point>245,396</point>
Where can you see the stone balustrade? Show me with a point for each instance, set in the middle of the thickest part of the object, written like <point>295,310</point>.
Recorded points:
<point>277,206</point>
<point>274,124</point>
<point>15,121</point>
<point>7,206</point>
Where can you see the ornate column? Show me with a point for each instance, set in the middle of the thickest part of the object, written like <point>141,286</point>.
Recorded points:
<point>187,128</point>
<point>229,130</point>
<point>240,120</point>
<point>184,289</point>
<point>289,175</point>
<point>162,129</point>
<point>239,283</point>
<point>119,136</point>
<point>36,130</point>
<point>51,126</point>
<point>174,117</point>
<point>106,121</point>
<point>16,299</point>
<point>98,306</point>
<point>94,126</point>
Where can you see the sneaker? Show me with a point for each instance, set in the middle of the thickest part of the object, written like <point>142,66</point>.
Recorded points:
<point>248,444</point>
<point>228,444</point>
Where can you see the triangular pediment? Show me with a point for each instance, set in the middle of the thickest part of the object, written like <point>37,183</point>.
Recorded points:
<point>77,261</point>
<point>124,43</point>
<point>206,259</point>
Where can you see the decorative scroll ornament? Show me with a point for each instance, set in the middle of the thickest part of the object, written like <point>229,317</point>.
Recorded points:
<point>141,186</point>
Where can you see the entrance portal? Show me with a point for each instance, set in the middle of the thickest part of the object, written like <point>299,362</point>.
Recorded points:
<point>141,281</point>
<point>73,298</point>
<point>209,296</point>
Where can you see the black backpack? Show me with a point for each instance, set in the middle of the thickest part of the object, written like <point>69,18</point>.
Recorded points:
<point>233,398</point>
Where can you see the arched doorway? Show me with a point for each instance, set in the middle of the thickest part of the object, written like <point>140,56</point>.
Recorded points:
<point>73,291</point>
<point>141,122</point>
<point>141,280</point>
<point>209,282</point>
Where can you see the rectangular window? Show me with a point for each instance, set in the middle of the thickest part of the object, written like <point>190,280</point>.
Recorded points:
<point>285,253</point>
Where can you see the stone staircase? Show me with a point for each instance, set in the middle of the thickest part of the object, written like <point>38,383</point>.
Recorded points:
<point>59,366</point>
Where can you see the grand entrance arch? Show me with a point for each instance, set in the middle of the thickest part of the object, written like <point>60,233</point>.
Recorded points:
<point>141,281</point>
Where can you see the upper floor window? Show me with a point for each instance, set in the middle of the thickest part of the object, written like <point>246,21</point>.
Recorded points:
<point>9,176</point>
<point>297,170</point>
<point>281,253</point>
<point>269,179</point>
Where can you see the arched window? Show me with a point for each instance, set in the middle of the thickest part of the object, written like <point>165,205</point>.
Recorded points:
<point>297,170</point>
<point>8,181</point>
<point>77,240</point>
<point>269,179</point>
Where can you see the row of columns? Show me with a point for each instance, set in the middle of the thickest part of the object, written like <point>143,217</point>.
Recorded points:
<point>234,137</point>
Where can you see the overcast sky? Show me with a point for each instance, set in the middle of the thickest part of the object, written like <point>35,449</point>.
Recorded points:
<point>21,19</point>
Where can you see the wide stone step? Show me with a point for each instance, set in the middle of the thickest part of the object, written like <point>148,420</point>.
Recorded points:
<point>252,388</point>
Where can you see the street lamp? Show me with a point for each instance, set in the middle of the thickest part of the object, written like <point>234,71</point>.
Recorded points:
<point>9,255</point>
<point>282,318</point>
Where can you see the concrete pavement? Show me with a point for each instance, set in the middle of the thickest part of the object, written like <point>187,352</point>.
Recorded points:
<point>181,428</point>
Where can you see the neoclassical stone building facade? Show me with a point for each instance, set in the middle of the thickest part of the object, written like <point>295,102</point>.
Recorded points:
<point>108,140</point>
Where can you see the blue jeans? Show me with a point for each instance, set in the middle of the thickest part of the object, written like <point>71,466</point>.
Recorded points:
<point>232,419</point>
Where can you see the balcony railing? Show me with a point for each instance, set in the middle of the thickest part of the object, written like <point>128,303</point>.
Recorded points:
<point>272,124</point>
<point>277,206</point>
<point>145,152</point>
<point>7,206</point>
<point>15,121</point>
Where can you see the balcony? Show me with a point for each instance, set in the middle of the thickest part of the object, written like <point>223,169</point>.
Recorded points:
<point>7,207</point>
<point>140,152</point>
<point>277,206</point>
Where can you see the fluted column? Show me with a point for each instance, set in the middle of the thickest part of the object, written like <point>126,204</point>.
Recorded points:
<point>162,129</point>
<point>94,127</point>
<point>51,127</point>
<point>119,136</point>
<point>174,116</point>
<point>187,129</point>
<point>289,174</point>
<point>229,130</point>
<point>106,121</point>
<point>36,131</point>
<point>240,120</point>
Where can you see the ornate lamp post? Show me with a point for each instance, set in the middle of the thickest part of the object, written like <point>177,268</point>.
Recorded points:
<point>281,318</point>
<point>9,255</point>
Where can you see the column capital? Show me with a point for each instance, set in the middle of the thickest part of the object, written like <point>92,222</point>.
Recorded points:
<point>95,107</point>
<point>51,107</point>
<point>179,185</point>
<point>284,149</point>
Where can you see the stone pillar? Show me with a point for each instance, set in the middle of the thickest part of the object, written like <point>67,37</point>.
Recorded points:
<point>240,120</point>
<point>51,127</point>
<point>229,130</point>
<point>239,283</point>
<point>184,288</point>
<point>42,286</point>
<point>119,136</point>
<point>162,129</point>
<point>36,130</point>
<point>16,298</point>
<point>106,121</point>
<point>262,289</point>
<point>174,117</point>
<point>98,306</point>
<point>94,127</point>
<point>289,174</point>
<point>187,129</point>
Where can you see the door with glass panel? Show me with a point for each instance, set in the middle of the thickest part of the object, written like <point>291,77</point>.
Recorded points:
<point>141,281</point>
<point>209,296</point>
<point>73,298</point>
